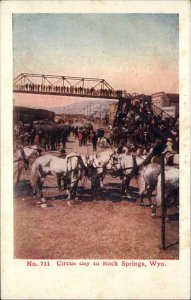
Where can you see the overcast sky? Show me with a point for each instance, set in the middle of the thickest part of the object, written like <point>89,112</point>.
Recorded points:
<point>136,52</point>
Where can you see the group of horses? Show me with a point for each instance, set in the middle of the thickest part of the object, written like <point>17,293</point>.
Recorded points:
<point>71,169</point>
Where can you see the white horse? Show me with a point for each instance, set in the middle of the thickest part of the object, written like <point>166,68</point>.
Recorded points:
<point>172,159</point>
<point>128,166</point>
<point>171,189</point>
<point>22,158</point>
<point>148,181</point>
<point>69,168</point>
<point>149,174</point>
<point>98,165</point>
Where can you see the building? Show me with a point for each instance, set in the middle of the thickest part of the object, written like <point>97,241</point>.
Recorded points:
<point>165,104</point>
<point>112,111</point>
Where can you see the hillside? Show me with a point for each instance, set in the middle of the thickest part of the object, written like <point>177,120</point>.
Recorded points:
<point>84,107</point>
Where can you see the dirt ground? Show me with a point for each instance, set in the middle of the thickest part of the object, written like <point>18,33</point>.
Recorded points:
<point>107,228</point>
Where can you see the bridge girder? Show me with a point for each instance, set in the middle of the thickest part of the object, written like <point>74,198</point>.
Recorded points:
<point>64,86</point>
<point>71,80</point>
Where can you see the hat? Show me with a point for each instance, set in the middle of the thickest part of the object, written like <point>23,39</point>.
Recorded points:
<point>169,140</point>
<point>63,150</point>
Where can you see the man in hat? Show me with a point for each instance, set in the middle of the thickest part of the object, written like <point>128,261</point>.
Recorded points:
<point>169,145</point>
<point>121,148</point>
<point>62,153</point>
<point>154,155</point>
<point>94,141</point>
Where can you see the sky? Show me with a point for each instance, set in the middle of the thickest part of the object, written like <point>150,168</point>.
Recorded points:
<point>136,52</point>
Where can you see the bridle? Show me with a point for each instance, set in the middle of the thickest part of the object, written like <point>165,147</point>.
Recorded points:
<point>134,169</point>
<point>93,162</point>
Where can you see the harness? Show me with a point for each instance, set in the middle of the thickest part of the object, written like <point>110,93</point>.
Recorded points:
<point>75,169</point>
<point>98,167</point>
<point>134,169</point>
<point>26,160</point>
<point>23,158</point>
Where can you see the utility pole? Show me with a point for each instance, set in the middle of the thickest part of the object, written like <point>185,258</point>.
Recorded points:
<point>163,205</point>
<point>90,108</point>
<point>100,111</point>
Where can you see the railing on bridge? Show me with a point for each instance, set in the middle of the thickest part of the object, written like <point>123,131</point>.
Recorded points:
<point>64,86</point>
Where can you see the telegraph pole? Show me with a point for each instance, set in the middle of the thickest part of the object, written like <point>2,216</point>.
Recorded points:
<point>163,204</point>
<point>90,107</point>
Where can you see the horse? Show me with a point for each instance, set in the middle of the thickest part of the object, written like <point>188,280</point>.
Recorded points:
<point>148,181</point>
<point>149,175</point>
<point>69,168</point>
<point>22,158</point>
<point>171,189</point>
<point>98,165</point>
<point>128,166</point>
<point>172,159</point>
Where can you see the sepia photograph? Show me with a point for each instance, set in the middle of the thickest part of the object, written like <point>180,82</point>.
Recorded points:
<point>96,111</point>
<point>95,149</point>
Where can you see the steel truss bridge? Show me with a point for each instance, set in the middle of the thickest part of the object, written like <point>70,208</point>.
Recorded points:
<point>65,86</point>
<point>75,87</point>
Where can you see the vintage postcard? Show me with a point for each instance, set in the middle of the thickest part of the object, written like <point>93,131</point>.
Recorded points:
<point>95,149</point>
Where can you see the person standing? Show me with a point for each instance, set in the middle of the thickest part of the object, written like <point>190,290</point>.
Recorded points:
<point>64,138</point>
<point>94,141</point>
<point>80,137</point>
<point>169,145</point>
<point>36,139</point>
<point>63,153</point>
<point>90,136</point>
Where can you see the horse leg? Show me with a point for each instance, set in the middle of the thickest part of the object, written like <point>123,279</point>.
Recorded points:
<point>71,195</point>
<point>68,193</point>
<point>142,189</point>
<point>36,187</point>
<point>149,194</point>
<point>15,174</point>
<point>74,185</point>
<point>59,181</point>
<point>141,197</point>
<point>101,183</point>
<point>94,186</point>
<point>153,209</point>
<point>19,175</point>
<point>40,185</point>
<point>74,192</point>
<point>166,215</point>
<point>123,190</point>
<point>125,186</point>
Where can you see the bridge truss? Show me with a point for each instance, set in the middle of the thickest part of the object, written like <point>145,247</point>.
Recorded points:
<point>64,86</point>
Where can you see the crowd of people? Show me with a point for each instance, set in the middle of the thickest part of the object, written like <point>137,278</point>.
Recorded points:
<point>137,123</point>
<point>49,140</point>
<point>70,90</point>
<point>56,138</point>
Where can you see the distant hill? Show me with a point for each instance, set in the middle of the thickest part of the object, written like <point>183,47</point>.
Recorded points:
<point>84,107</point>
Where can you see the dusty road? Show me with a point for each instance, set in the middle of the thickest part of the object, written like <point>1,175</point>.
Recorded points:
<point>108,228</point>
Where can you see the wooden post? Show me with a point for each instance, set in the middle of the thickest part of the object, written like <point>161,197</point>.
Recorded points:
<point>163,206</point>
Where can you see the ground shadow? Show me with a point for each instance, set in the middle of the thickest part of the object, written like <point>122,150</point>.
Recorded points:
<point>57,197</point>
<point>22,189</point>
<point>173,217</point>
<point>112,194</point>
